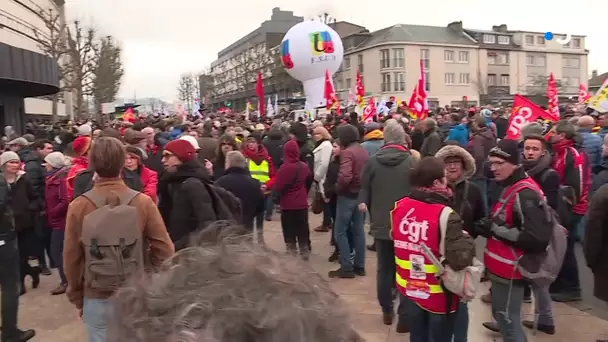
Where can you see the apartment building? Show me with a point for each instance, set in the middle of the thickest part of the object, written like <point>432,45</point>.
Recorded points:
<point>236,68</point>
<point>389,60</point>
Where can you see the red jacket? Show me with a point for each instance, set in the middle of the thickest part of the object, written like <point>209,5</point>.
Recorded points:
<point>296,197</point>
<point>575,171</point>
<point>57,199</point>
<point>149,178</point>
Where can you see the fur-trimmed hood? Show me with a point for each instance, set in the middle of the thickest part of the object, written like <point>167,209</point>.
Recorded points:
<point>457,151</point>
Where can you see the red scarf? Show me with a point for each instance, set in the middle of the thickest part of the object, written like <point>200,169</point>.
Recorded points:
<point>444,191</point>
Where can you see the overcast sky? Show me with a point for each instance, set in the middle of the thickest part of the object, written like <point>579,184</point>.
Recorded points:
<point>162,39</point>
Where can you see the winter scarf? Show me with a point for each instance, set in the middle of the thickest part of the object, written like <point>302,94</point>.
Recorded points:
<point>534,167</point>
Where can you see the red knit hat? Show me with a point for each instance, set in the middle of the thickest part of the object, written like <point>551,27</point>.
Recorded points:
<point>81,145</point>
<point>182,149</point>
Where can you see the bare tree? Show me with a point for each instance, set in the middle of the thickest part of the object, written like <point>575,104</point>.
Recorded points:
<point>81,45</point>
<point>53,44</point>
<point>281,81</point>
<point>206,85</point>
<point>106,72</point>
<point>186,88</point>
<point>537,88</point>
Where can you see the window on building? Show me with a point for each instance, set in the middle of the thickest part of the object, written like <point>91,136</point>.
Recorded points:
<point>504,80</point>
<point>574,81</point>
<point>449,78</point>
<point>339,85</point>
<point>463,57</point>
<point>489,39</point>
<point>540,40</point>
<point>360,62</point>
<point>385,59</point>
<point>530,60</point>
<point>424,54</point>
<point>448,55</point>
<point>491,79</point>
<point>492,59</point>
<point>464,78</point>
<point>348,83</point>
<point>576,43</point>
<point>399,58</point>
<point>504,40</point>
<point>565,81</point>
<point>399,81</point>
<point>529,39</point>
<point>540,61</point>
<point>571,61</point>
<point>346,63</point>
<point>503,58</point>
<point>386,82</point>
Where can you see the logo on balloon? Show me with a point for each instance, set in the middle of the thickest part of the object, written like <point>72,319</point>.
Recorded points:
<point>321,43</point>
<point>286,55</point>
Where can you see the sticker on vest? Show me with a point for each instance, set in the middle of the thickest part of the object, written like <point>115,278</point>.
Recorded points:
<point>418,289</point>
<point>417,271</point>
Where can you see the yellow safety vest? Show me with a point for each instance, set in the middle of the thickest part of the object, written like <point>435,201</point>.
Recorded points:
<point>260,172</point>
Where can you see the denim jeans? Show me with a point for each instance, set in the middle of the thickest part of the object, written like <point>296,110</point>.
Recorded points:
<point>568,280</point>
<point>57,237</point>
<point>507,301</point>
<point>269,207</point>
<point>9,286</point>
<point>95,315</point>
<point>385,279</point>
<point>349,218</point>
<point>543,305</point>
<point>461,324</point>
<point>426,326</point>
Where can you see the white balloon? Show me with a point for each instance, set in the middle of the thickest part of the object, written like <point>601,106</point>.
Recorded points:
<point>308,50</point>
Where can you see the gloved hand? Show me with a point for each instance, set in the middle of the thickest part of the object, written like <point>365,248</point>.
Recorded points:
<point>483,227</point>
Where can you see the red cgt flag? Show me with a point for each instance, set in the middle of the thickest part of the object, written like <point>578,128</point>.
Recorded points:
<point>413,105</point>
<point>261,94</point>
<point>524,112</point>
<point>552,93</point>
<point>583,94</point>
<point>360,89</point>
<point>330,91</point>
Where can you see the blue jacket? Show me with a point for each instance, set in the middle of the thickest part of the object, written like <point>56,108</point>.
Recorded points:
<point>593,145</point>
<point>460,133</point>
<point>372,146</point>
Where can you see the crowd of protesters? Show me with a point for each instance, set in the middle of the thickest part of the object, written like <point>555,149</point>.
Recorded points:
<point>193,182</point>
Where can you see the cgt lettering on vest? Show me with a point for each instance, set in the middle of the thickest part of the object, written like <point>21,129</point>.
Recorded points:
<point>415,231</point>
<point>521,118</point>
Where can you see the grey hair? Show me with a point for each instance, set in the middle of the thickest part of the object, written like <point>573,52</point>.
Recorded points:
<point>391,121</point>
<point>394,134</point>
<point>430,123</point>
<point>533,128</point>
<point>229,290</point>
<point>566,127</point>
<point>236,159</point>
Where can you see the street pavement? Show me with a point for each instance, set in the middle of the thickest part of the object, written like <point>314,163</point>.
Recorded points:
<point>56,320</point>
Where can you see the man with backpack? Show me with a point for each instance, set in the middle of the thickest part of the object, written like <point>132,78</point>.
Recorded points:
<point>112,233</point>
<point>518,231</point>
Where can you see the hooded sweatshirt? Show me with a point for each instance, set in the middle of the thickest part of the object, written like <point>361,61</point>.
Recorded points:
<point>385,181</point>
<point>292,178</point>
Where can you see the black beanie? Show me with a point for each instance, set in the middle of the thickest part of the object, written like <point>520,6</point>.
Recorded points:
<point>508,150</point>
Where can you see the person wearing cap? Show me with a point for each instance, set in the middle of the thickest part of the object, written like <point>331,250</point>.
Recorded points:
<point>81,147</point>
<point>57,202</point>
<point>18,144</point>
<point>134,165</point>
<point>262,168</point>
<point>11,251</point>
<point>184,201</point>
<point>517,228</point>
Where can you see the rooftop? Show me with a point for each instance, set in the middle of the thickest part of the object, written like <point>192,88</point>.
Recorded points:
<point>416,34</point>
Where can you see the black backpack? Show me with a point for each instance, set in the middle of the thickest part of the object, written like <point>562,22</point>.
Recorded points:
<point>226,206</point>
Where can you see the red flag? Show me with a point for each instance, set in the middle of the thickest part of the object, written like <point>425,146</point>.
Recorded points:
<point>583,94</point>
<point>261,94</point>
<point>370,111</point>
<point>524,112</point>
<point>552,93</point>
<point>129,115</point>
<point>413,105</point>
<point>360,88</point>
<point>422,93</point>
<point>330,91</point>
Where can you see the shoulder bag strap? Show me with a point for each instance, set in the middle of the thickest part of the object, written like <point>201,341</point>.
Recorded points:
<point>95,198</point>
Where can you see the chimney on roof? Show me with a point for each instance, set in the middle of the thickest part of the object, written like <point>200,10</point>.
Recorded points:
<point>455,26</point>
<point>593,73</point>
<point>500,28</point>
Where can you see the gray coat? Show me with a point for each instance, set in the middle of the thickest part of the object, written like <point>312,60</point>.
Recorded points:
<point>386,179</point>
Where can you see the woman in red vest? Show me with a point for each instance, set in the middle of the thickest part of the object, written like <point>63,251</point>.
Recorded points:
<point>422,223</point>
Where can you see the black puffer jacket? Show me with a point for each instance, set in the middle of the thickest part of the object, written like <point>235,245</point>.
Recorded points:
<point>36,174</point>
<point>184,202</point>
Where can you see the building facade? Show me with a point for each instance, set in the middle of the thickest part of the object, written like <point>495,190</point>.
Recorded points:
<point>25,71</point>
